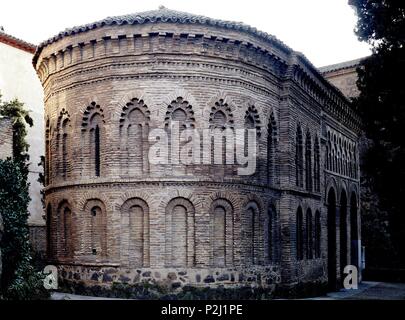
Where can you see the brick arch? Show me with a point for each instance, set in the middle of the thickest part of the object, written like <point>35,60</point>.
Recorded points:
<point>133,137</point>
<point>253,113</point>
<point>272,233</point>
<point>48,151</point>
<point>63,115</point>
<point>135,233</point>
<point>65,228</point>
<point>180,233</point>
<point>353,188</point>
<point>273,120</point>
<point>331,183</point>
<point>181,193</point>
<point>308,156</point>
<point>343,187</point>
<point>212,101</point>
<point>130,105</point>
<point>271,149</point>
<point>222,233</point>
<point>183,104</point>
<point>63,143</point>
<point>299,156</point>
<point>93,148</point>
<point>299,233</point>
<point>221,106</point>
<point>232,197</point>
<point>139,194</point>
<point>187,96</point>
<point>94,228</point>
<point>251,197</point>
<point>127,97</point>
<point>91,195</point>
<point>251,229</point>
<point>91,109</point>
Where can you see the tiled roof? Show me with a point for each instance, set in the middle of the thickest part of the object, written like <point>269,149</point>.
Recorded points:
<point>164,15</point>
<point>15,42</point>
<point>340,66</point>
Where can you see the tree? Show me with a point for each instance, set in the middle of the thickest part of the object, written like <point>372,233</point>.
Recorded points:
<point>20,117</point>
<point>19,279</point>
<point>381,103</point>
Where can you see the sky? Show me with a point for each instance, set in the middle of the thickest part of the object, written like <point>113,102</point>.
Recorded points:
<point>320,29</point>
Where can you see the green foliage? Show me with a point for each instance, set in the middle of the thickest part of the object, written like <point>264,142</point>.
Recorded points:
<point>41,180</point>
<point>382,106</point>
<point>20,117</point>
<point>19,279</point>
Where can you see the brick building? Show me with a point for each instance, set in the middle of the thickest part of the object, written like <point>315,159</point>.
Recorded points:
<point>113,215</point>
<point>343,76</point>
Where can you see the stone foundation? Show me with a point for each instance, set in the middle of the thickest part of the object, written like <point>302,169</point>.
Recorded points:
<point>173,278</point>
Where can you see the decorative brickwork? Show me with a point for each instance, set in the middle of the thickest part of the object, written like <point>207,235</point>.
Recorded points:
<point>113,215</point>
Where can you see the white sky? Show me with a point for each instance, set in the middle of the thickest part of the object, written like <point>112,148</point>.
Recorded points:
<point>321,29</point>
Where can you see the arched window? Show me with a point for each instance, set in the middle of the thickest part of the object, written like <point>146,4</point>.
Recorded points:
<point>48,153</point>
<point>96,153</point>
<point>65,234</point>
<point>343,231</point>
<point>219,236</point>
<point>63,125</point>
<point>317,166</point>
<point>222,233</point>
<point>354,230</point>
<point>317,234</point>
<point>92,139</point>
<point>299,158</point>
<point>180,233</point>
<point>135,233</point>
<point>134,131</point>
<point>269,234</point>
<point>308,162</point>
<point>251,236</point>
<point>309,235</point>
<point>221,119</point>
<point>299,234</point>
<point>179,117</point>
<point>94,227</point>
<point>49,242</point>
<point>67,231</point>
<point>331,201</point>
<point>252,122</point>
<point>97,245</point>
<point>271,144</point>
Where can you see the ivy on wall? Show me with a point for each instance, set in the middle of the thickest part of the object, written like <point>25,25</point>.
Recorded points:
<point>19,279</point>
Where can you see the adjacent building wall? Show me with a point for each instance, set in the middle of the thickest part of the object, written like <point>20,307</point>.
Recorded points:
<point>343,76</point>
<point>18,80</point>
<point>6,138</point>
